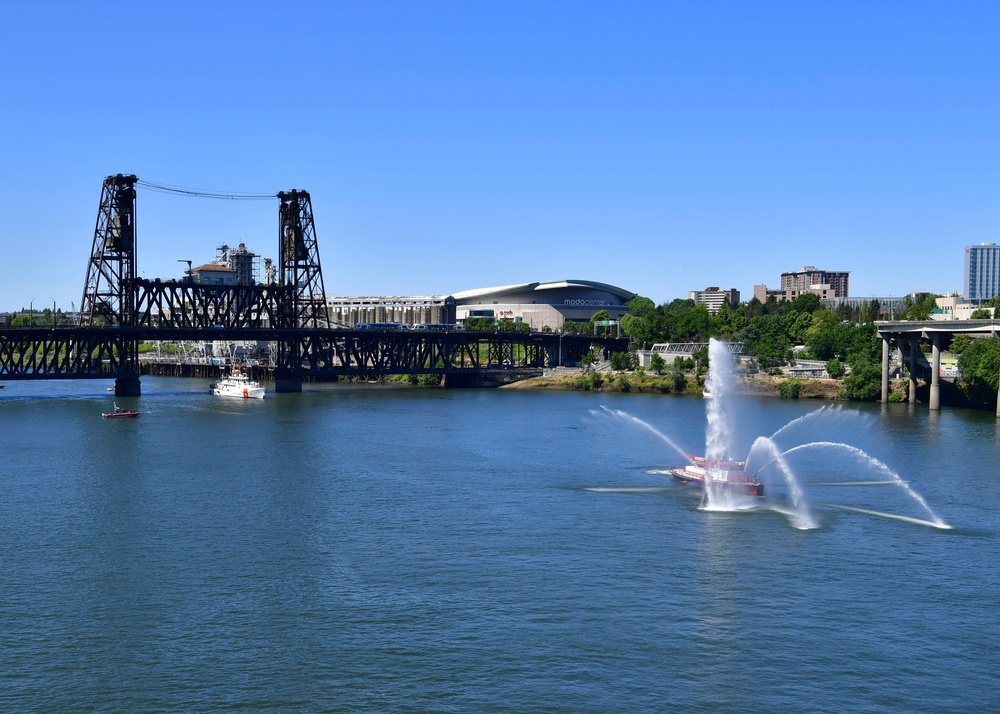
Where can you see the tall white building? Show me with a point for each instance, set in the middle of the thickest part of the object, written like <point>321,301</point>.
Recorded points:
<point>982,272</point>
<point>713,298</point>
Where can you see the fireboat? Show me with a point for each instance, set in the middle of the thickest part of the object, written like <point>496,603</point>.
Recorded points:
<point>729,476</point>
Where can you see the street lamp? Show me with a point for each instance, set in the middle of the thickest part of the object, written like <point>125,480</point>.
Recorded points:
<point>31,313</point>
<point>53,310</point>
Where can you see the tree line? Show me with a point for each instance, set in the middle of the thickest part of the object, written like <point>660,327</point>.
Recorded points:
<point>845,338</point>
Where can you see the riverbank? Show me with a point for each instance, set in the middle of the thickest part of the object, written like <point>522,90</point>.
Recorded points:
<point>763,386</point>
<point>757,385</point>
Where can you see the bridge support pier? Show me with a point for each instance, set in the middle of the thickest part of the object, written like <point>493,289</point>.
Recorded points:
<point>885,370</point>
<point>128,387</point>
<point>935,395</point>
<point>998,403</point>
<point>913,370</point>
<point>287,384</point>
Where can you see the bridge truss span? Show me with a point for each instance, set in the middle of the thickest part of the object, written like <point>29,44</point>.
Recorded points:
<point>188,305</point>
<point>119,310</point>
<point>67,353</point>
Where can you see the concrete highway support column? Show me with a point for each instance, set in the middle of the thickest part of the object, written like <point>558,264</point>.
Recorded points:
<point>885,370</point>
<point>935,397</point>
<point>913,370</point>
<point>998,402</point>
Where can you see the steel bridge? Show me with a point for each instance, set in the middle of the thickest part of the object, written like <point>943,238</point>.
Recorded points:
<point>119,310</point>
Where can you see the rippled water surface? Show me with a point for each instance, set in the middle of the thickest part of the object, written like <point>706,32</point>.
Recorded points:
<point>368,549</point>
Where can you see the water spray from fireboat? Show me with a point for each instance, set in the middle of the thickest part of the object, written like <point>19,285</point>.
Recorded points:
<point>767,461</point>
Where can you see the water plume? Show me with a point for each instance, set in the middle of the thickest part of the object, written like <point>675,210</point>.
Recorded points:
<point>619,414</point>
<point>880,466</point>
<point>765,460</point>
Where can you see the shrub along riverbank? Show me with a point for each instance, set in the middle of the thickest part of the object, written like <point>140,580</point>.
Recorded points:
<point>670,384</point>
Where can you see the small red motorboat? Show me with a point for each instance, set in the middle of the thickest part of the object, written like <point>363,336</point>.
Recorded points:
<point>120,413</point>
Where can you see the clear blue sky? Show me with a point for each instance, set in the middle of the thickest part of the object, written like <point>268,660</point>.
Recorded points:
<point>662,147</point>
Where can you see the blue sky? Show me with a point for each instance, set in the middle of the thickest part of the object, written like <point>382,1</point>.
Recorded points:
<point>662,147</point>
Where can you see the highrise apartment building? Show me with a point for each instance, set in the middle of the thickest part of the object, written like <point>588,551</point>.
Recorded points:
<point>713,298</point>
<point>810,278</point>
<point>982,272</point>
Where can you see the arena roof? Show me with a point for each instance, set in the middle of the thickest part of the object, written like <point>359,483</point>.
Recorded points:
<point>496,292</point>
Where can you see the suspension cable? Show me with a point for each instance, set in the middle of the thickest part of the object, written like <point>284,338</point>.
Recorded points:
<point>201,193</point>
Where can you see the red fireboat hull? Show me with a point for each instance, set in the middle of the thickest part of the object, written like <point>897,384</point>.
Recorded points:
<point>736,480</point>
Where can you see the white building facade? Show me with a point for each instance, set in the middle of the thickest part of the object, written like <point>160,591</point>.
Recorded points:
<point>714,298</point>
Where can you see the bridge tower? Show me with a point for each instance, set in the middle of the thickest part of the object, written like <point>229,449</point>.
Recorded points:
<point>109,291</point>
<point>300,270</point>
<point>108,297</point>
<point>300,267</point>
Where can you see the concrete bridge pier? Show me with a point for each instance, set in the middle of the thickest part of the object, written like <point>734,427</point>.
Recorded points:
<point>913,370</point>
<point>998,402</point>
<point>885,370</point>
<point>287,384</point>
<point>127,387</point>
<point>935,394</point>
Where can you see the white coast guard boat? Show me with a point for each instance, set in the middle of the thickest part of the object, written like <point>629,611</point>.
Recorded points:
<point>238,385</point>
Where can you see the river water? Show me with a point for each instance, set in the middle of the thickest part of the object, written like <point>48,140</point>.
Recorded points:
<point>403,550</point>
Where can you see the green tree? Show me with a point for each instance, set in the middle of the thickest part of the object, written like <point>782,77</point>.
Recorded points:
<point>960,344</point>
<point>678,378</point>
<point>982,313</point>
<point>921,308</point>
<point>835,368</point>
<point>754,308</point>
<point>694,325</point>
<point>700,358</point>
<point>657,363</point>
<point>826,336</point>
<point>622,361</point>
<point>599,316</point>
<point>863,344</point>
<point>638,329</point>
<point>866,312</point>
<point>798,325</point>
<point>864,383</point>
<point>642,307</point>
<point>767,340</point>
<point>727,321</point>
<point>806,302</point>
<point>790,388</point>
<point>979,365</point>
<point>571,327</point>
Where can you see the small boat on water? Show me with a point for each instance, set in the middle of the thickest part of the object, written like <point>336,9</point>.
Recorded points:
<point>120,413</point>
<point>730,476</point>
<point>239,385</point>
